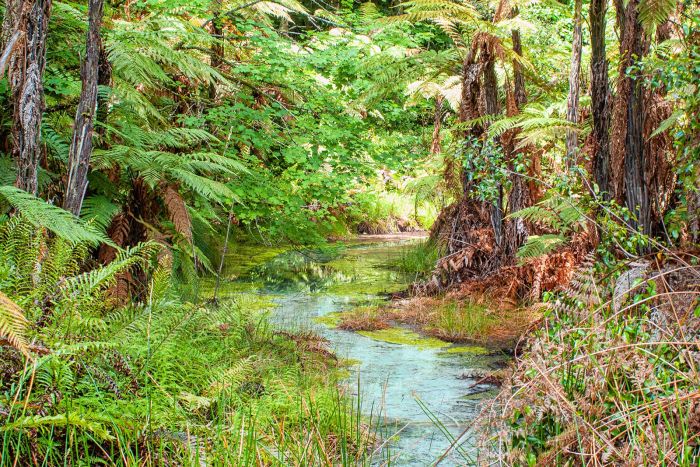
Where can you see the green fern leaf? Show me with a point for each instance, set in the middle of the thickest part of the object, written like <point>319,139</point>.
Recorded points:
<point>50,217</point>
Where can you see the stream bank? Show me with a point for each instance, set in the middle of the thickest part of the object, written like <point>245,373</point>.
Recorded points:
<point>419,392</point>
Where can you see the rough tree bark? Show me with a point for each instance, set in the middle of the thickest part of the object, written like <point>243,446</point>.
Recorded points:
<point>600,97</point>
<point>627,145</point>
<point>81,144</point>
<point>574,88</point>
<point>518,77</point>
<point>491,107</point>
<point>516,231</point>
<point>26,72</point>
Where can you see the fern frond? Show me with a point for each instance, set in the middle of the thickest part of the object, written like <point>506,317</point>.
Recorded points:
<point>99,211</point>
<point>50,217</point>
<point>178,212</point>
<point>652,13</point>
<point>50,422</point>
<point>538,245</point>
<point>13,324</point>
<point>87,283</point>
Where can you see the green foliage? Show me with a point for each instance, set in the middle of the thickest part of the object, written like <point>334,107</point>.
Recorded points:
<point>561,214</point>
<point>419,258</point>
<point>44,215</point>
<point>110,383</point>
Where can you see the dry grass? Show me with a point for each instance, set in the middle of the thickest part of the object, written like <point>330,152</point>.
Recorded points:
<point>611,378</point>
<point>363,319</point>
<point>453,319</point>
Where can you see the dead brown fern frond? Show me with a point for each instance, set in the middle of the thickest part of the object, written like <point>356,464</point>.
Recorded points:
<point>177,211</point>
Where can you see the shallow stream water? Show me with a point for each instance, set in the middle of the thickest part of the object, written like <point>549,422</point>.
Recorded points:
<point>422,390</point>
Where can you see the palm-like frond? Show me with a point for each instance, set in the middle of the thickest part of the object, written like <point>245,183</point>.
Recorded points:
<point>539,245</point>
<point>13,324</point>
<point>87,283</point>
<point>652,13</point>
<point>50,217</point>
<point>99,211</point>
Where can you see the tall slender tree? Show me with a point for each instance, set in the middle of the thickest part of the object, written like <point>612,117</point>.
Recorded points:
<point>600,96</point>
<point>516,231</point>
<point>627,143</point>
<point>81,144</point>
<point>435,147</point>
<point>574,87</point>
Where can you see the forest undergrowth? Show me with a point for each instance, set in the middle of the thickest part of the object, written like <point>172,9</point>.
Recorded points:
<point>551,148</point>
<point>159,381</point>
<point>611,374</point>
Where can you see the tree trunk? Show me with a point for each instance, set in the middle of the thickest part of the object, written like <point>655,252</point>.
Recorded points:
<point>26,75</point>
<point>516,231</point>
<point>81,144</point>
<point>217,47</point>
<point>435,148</point>
<point>469,105</point>
<point>518,77</point>
<point>104,79</point>
<point>600,97</point>
<point>491,107</point>
<point>627,145</point>
<point>574,85</point>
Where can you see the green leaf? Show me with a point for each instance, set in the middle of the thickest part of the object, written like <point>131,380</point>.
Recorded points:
<point>59,221</point>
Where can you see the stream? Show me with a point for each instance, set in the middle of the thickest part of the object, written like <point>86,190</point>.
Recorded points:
<point>406,381</point>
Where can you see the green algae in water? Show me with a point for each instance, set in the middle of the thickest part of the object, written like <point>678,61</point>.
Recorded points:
<point>405,336</point>
<point>332,320</point>
<point>467,349</point>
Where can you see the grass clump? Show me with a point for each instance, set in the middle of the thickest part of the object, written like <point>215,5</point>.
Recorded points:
<point>363,319</point>
<point>461,321</point>
<point>419,258</point>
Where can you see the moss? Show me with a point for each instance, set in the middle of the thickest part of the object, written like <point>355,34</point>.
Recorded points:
<point>406,337</point>
<point>332,320</point>
<point>468,349</point>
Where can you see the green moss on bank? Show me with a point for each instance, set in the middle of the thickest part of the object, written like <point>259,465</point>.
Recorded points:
<point>406,337</point>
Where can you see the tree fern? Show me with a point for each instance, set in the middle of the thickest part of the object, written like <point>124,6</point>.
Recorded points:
<point>538,245</point>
